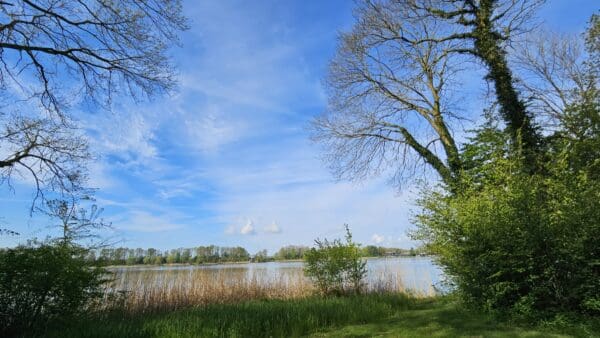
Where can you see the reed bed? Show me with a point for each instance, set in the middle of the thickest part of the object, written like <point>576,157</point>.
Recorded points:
<point>148,291</point>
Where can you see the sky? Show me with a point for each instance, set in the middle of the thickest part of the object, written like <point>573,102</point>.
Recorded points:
<point>227,158</point>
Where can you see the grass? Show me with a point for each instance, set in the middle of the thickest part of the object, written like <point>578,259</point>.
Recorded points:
<point>381,315</point>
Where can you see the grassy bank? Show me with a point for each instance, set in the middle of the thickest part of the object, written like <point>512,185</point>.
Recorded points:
<point>386,315</point>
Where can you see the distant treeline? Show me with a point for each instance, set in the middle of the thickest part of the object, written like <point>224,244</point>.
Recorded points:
<point>218,254</point>
<point>379,251</point>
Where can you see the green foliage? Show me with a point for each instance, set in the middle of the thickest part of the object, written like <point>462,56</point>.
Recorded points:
<point>373,251</point>
<point>152,256</point>
<point>367,315</point>
<point>291,252</point>
<point>42,283</point>
<point>379,251</point>
<point>517,242</point>
<point>522,242</point>
<point>336,267</point>
<point>261,257</point>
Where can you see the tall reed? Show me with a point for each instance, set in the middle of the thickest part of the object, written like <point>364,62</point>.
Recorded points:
<point>143,291</point>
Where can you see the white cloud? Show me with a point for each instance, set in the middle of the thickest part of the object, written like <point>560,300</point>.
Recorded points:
<point>273,228</point>
<point>211,129</point>
<point>248,229</point>
<point>377,239</point>
<point>128,135</point>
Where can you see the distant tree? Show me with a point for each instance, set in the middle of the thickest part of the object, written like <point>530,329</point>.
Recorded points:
<point>371,251</point>
<point>186,255</point>
<point>261,256</point>
<point>174,256</point>
<point>159,259</point>
<point>291,252</point>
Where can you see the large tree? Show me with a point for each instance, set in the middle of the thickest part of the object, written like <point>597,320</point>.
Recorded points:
<point>55,54</point>
<point>390,100</point>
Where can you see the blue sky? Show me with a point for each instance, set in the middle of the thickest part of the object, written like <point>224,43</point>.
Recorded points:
<point>226,159</point>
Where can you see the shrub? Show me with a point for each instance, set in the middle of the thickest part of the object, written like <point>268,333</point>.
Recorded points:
<point>40,283</point>
<point>336,267</point>
<point>519,243</point>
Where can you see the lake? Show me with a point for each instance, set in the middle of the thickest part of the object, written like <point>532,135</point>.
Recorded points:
<point>415,274</point>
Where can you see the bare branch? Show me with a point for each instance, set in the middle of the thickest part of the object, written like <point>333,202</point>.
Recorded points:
<point>104,46</point>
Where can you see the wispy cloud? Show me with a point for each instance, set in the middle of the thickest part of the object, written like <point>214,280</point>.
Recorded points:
<point>273,228</point>
<point>128,135</point>
<point>227,154</point>
<point>248,228</point>
<point>377,239</point>
<point>141,221</point>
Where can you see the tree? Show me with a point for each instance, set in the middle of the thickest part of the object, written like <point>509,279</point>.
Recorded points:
<point>42,283</point>
<point>482,29</point>
<point>52,154</point>
<point>564,88</point>
<point>101,47</point>
<point>54,50</point>
<point>390,104</point>
<point>186,255</point>
<point>519,242</point>
<point>291,252</point>
<point>261,256</point>
<point>77,223</point>
<point>379,85</point>
<point>336,267</point>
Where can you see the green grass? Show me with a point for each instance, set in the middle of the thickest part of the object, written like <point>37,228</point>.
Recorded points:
<point>358,316</point>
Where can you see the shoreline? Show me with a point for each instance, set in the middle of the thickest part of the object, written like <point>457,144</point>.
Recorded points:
<point>240,262</point>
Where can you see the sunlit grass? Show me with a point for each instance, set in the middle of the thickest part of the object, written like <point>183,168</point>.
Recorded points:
<point>238,303</point>
<point>368,315</point>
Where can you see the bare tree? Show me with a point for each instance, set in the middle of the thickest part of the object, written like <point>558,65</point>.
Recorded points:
<point>561,77</point>
<point>77,223</point>
<point>381,86</point>
<point>556,73</point>
<point>89,47</point>
<point>5,231</point>
<point>482,29</point>
<point>58,53</point>
<point>52,156</point>
<point>390,103</point>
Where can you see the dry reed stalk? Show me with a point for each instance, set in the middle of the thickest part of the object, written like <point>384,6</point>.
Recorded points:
<point>150,291</point>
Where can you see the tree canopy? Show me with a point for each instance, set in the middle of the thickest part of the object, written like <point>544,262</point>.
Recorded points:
<point>56,55</point>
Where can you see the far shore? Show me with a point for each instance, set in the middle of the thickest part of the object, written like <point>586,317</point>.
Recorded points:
<point>232,263</point>
<point>194,264</point>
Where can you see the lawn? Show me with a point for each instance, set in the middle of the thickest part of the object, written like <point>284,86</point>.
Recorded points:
<point>394,315</point>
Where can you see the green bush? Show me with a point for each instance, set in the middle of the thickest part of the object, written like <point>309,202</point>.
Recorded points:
<point>336,267</point>
<point>516,242</point>
<point>43,283</point>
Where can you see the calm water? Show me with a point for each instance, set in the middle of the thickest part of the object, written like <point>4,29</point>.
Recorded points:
<point>418,274</point>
